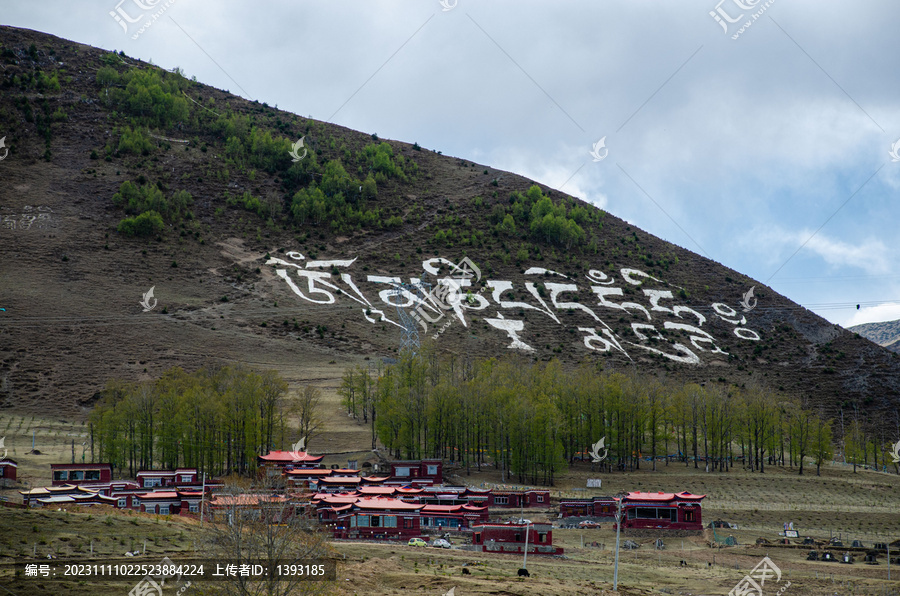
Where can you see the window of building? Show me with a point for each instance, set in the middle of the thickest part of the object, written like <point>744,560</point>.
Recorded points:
<point>501,500</point>
<point>92,475</point>
<point>542,537</point>
<point>135,502</point>
<point>60,475</point>
<point>76,475</point>
<point>185,478</point>
<point>402,472</point>
<point>407,523</point>
<point>164,510</point>
<point>376,521</point>
<point>123,502</point>
<point>432,470</point>
<point>194,507</point>
<point>688,515</point>
<point>362,521</point>
<point>353,522</point>
<point>390,521</point>
<point>540,498</point>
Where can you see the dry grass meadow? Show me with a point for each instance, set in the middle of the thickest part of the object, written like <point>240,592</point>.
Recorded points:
<point>863,506</point>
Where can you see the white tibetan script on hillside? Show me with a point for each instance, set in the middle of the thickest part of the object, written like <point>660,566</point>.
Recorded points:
<point>602,324</point>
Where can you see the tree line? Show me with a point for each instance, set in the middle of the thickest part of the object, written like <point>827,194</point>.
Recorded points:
<point>215,419</point>
<point>531,420</point>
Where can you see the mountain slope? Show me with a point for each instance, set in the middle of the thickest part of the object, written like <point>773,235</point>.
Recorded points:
<point>122,176</point>
<point>885,334</point>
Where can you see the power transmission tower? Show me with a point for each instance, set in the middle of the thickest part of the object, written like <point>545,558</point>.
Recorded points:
<point>409,335</point>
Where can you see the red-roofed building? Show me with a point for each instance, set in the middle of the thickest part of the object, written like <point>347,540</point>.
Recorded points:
<point>594,507</point>
<point>511,538</point>
<point>8,469</point>
<point>521,498</point>
<point>332,484</point>
<point>378,491</point>
<point>674,511</point>
<point>452,517</point>
<point>344,472</point>
<point>306,477</point>
<point>423,472</point>
<point>80,473</point>
<point>178,477</point>
<point>276,462</point>
<point>160,502</point>
<point>375,480</point>
<point>380,518</point>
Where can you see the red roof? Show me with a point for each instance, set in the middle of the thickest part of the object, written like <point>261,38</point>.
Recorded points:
<point>158,495</point>
<point>290,457</point>
<point>409,491</point>
<point>473,508</point>
<point>346,471</point>
<point>378,503</point>
<point>661,496</point>
<point>377,490</point>
<point>309,472</point>
<point>342,480</point>
<point>374,479</point>
<point>441,508</point>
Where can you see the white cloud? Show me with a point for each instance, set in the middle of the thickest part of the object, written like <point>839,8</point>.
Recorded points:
<point>870,255</point>
<point>889,311</point>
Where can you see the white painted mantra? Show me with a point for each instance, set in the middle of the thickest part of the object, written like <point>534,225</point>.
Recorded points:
<point>325,281</point>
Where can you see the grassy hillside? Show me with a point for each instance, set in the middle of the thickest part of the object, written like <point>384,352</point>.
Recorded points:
<point>122,176</point>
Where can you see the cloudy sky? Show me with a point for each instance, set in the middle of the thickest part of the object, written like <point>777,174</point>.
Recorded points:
<point>764,147</point>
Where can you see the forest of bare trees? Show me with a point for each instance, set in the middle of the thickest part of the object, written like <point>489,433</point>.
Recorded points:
<point>532,419</point>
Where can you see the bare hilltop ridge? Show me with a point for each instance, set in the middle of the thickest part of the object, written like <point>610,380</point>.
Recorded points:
<point>885,334</point>
<point>148,221</point>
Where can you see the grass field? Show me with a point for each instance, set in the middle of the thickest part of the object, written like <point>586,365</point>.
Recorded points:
<point>863,506</point>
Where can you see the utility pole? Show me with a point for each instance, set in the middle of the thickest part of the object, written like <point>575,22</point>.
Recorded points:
<point>619,499</point>
<point>202,498</point>
<point>525,558</point>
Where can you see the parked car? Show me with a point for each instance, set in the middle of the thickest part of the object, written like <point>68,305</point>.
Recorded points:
<point>416,542</point>
<point>440,543</point>
<point>588,524</point>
